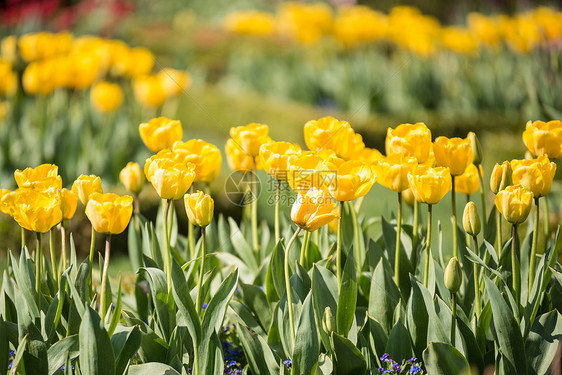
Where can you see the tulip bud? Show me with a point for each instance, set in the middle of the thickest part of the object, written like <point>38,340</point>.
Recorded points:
<point>470,219</point>
<point>132,177</point>
<point>453,275</point>
<point>501,177</point>
<point>199,208</point>
<point>328,321</point>
<point>476,149</point>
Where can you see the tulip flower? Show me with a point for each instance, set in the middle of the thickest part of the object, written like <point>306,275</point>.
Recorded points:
<point>250,138</point>
<point>109,214</point>
<point>85,185</point>
<point>42,177</point>
<point>544,138</point>
<point>132,177</point>
<point>370,155</point>
<point>206,157</point>
<point>149,91</point>
<point>36,210</point>
<point>468,183</point>
<point>238,160</point>
<point>499,180</point>
<point>69,201</point>
<point>174,81</point>
<point>409,139</point>
<point>535,175</point>
<point>310,171</point>
<point>171,179</point>
<point>332,134</point>
<point>106,97</point>
<point>160,133</point>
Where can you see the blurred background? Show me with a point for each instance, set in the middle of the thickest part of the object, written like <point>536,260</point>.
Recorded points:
<point>482,66</point>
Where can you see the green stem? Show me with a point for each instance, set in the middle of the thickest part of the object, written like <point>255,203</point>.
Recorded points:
<point>191,234</point>
<point>277,204</point>
<point>38,267</point>
<point>398,234</point>
<point>198,302</point>
<point>103,302</point>
<point>534,247</point>
<point>454,219</point>
<point>476,283</point>
<point>338,247</point>
<point>415,238</point>
<point>304,249</point>
<point>483,197</point>
<point>453,318</point>
<point>255,242</point>
<point>516,275</point>
<point>167,255</point>
<point>22,237</point>
<point>546,219</point>
<point>428,245</point>
<point>357,233</point>
<point>288,287</point>
<point>499,241</point>
<point>63,245</point>
<point>91,258</point>
<point>53,256</point>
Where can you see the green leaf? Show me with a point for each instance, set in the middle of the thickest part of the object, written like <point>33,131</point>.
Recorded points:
<point>307,347</point>
<point>347,297</point>
<point>261,359</point>
<point>377,339</point>
<point>436,331</point>
<point>442,358</point>
<point>185,303</point>
<point>348,359</point>
<point>160,299</point>
<point>96,352</point>
<point>125,342</point>
<point>58,353</point>
<point>417,319</point>
<point>384,297</point>
<point>241,246</point>
<point>4,347</point>
<point>276,265</point>
<point>389,235</point>
<point>116,317</point>
<point>152,369</point>
<point>256,301</point>
<point>324,294</point>
<point>19,354</point>
<point>134,241</point>
<point>399,346</point>
<point>543,342</point>
<point>507,329</point>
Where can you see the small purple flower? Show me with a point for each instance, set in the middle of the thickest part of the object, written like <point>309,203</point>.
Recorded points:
<point>385,357</point>
<point>288,363</point>
<point>12,353</point>
<point>231,363</point>
<point>204,306</point>
<point>416,370</point>
<point>396,368</point>
<point>413,359</point>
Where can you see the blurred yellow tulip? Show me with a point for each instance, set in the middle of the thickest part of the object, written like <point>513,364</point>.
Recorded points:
<point>42,177</point>
<point>86,185</point>
<point>250,138</point>
<point>174,82</point>
<point>160,133</point>
<point>514,203</point>
<point>149,90</point>
<point>132,177</point>
<point>429,185</point>
<point>314,209</point>
<point>199,208</point>
<point>392,171</point>
<point>410,140</point>
<point>109,213</point>
<point>238,160</point>
<point>36,210</point>
<point>535,175</point>
<point>469,181</point>
<point>354,179</point>
<point>106,96</point>
<point>69,201</point>
<point>206,157</point>
<point>335,135</point>
<point>277,157</point>
<point>453,153</point>
<point>544,138</point>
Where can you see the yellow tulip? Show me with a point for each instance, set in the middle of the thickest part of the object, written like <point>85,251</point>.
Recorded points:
<point>199,208</point>
<point>69,201</point>
<point>106,96</point>
<point>160,133</point>
<point>141,61</point>
<point>369,155</point>
<point>514,203</point>
<point>149,90</point>
<point>41,177</point>
<point>206,157</point>
<point>313,209</point>
<point>410,140</point>
<point>109,213</point>
<point>544,138</point>
<point>354,179</point>
<point>277,157</point>
<point>250,22</point>
<point>335,135</point>
<point>501,177</point>
<point>85,185</point>
<point>535,175</point>
<point>238,160</point>
<point>310,171</point>
<point>250,138</point>
<point>469,181</point>
<point>132,177</point>
<point>453,153</point>
<point>408,197</point>
<point>174,82</point>
<point>429,185</point>
<point>6,201</point>
<point>392,171</point>
<point>36,210</point>
<point>170,178</point>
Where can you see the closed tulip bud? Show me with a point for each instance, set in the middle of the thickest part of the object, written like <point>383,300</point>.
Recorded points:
<point>171,178</point>
<point>429,185</point>
<point>453,153</point>
<point>109,213</point>
<point>277,157</point>
<point>328,321</point>
<point>85,185</point>
<point>468,182</point>
<point>36,210</point>
<point>313,209</point>
<point>106,96</point>
<point>354,179</point>
<point>453,275</point>
<point>514,203</point>
<point>535,175</point>
<point>160,133</point>
<point>132,177</point>
<point>501,177</point>
<point>42,177</point>
<point>409,139</point>
<point>199,208</point>
<point>476,149</point>
<point>544,138</point>
<point>206,157</point>
<point>471,220</point>
<point>392,171</point>
<point>69,201</point>
<point>250,138</point>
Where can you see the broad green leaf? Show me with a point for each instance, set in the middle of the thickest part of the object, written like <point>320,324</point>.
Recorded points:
<point>4,347</point>
<point>134,241</point>
<point>242,248</point>
<point>276,265</point>
<point>96,352</point>
<point>543,341</point>
<point>324,294</point>
<point>261,359</point>
<point>185,303</point>
<point>442,358</point>
<point>307,347</point>
<point>22,347</point>
<point>384,297</point>
<point>161,300</point>
<point>152,369</point>
<point>347,300</point>
<point>256,300</point>
<point>126,341</point>
<point>348,359</point>
<point>389,235</point>
<point>399,346</point>
<point>116,315</point>
<point>436,331</point>
<point>417,319</point>
<point>58,353</point>
<point>376,338</point>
